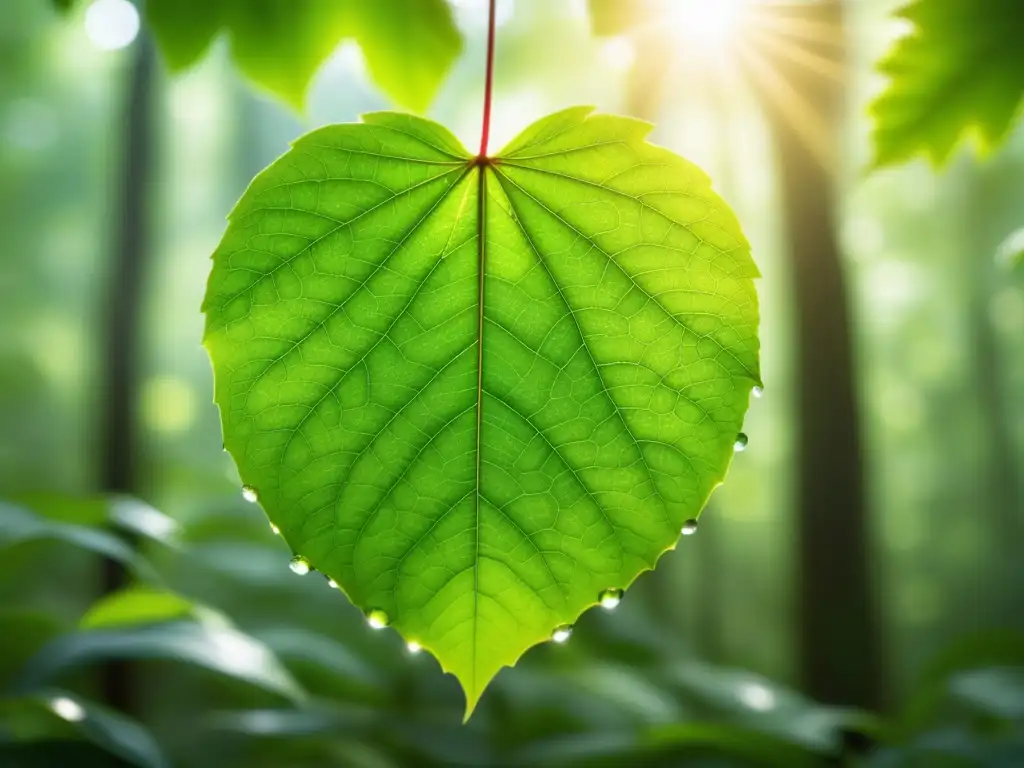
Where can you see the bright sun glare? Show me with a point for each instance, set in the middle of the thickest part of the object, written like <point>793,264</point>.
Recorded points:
<point>709,25</point>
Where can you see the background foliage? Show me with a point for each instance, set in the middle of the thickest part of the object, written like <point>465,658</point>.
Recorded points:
<point>235,660</point>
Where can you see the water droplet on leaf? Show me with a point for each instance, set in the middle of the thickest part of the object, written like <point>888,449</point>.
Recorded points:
<point>757,392</point>
<point>299,565</point>
<point>610,599</point>
<point>377,619</point>
<point>413,647</point>
<point>689,527</point>
<point>741,443</point>
<point>249,494</point>
<point>332,584</point>
<point>561,633</point>
<point>275,529</point>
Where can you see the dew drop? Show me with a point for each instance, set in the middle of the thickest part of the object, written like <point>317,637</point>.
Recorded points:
<point>275,529</point>
<point>610,599</point>
<point>689,527</point>
<point>741,443</point>
<point>332,584</point>
<point>249,494</point>
<point>413,647</point>
<point>757,392</point>
<point>377,619</point>
<point>561,633</point>
<point>299,565</point>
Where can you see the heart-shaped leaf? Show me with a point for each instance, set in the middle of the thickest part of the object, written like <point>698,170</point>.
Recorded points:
<point>478,392</point>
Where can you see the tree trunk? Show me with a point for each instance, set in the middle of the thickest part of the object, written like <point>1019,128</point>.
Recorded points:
<point>838,622</point>
<point>122,322</point>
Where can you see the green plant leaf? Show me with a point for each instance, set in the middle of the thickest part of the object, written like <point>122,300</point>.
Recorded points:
<point>133,606</point>
<point>960,72</point>
<point>478,507</point>
<point>409,45</point>
<point>674,744</point>
<point>217,648</point>
<point>18,526</point>
<point>112,731</point>
<point>1010,253</point>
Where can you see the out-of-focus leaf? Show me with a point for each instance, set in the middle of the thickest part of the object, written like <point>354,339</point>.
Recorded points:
<point>135,605</point>
<point>409,45</point>
<point>141,519</point>
<point>678,742</point>
<point>760,748</point>
<point>761,704</point>
<point>1010,253</point>
<point>1002,648</point>
<point>641,324</point>
<point>952,747</point>
<point>327,655</point>
<point>221,649</point>
<point>18,525</point>
<point>251,564</point>
<point>80,510</point>
<point>630,693</point>
<point>328,718</point>
<point>23,633</point>
<point>959,72</point>
<point>112,731</point>
<point>997,691</point>
<point>609,18</point>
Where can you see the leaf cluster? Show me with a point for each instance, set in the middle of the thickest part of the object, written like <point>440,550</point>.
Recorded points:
<point>408,45</point>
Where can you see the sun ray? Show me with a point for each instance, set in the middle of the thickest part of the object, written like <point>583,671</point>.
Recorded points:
<point>768,17</point>
<point>825,66</point>
<point>808,122</point>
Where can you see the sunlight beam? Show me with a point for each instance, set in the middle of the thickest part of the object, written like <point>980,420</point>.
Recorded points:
<point>710,27</point>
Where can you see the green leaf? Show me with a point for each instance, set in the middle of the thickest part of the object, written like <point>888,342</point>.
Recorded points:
<point>135,605</point>
<point>18,526</point>
<point>480,508</point>
<point>1010,253</point>
<point>110,730</point>
<point>220,649</point>
<point>409,45</point>
<point>960,72</point>
<point>80,510</point>
<point>983,650</point>
<point>675,744</point>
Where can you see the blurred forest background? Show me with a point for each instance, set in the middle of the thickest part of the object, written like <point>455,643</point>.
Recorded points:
<point>855,590</point>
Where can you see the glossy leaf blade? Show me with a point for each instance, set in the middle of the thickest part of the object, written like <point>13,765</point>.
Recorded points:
<point>476,414</point>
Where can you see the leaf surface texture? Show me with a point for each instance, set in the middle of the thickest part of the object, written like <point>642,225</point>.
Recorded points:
<point>476,394</point>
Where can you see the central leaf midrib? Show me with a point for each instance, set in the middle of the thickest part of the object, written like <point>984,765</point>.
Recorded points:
<point>481,285</point>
